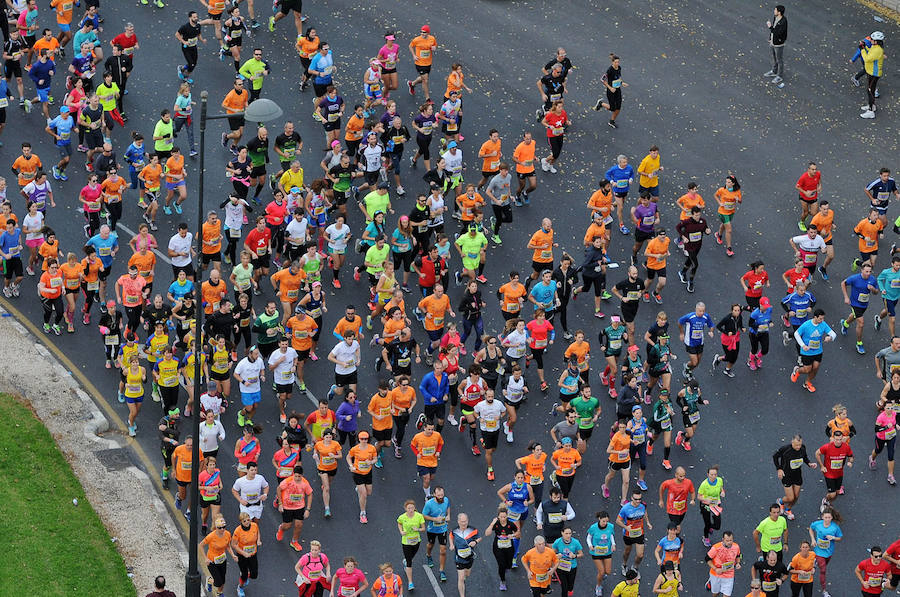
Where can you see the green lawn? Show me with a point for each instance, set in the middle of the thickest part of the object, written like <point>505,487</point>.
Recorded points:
<point>53,547</point>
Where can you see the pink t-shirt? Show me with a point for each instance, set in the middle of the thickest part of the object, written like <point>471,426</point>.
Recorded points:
<point>350,580</point>
<point>887,418</point>
<point>388,56</point>
<point>92,196</point>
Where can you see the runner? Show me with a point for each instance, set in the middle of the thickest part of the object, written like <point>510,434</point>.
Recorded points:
<point>798,306</point>
<point>661,425</point>
<point>556,120</point>
<point>752,283</point>
<point>631,519</point>
<point>731,327</point>
<point>723,558</point>
<point>771,534</point>
<point>823,534</point>
<point>886,426</point>
<point>464,539</point>
<point>629,291</point>
<point>770,572</point>
<point>861,286</point>
<point>523,156</point>
<point>869,230</point>
<point>656,252</point>
<point>214,546</point>
<point>810,338</point>
<point>565,461</point>
<point>349,580</point>
<point>690,327</point>
<point>422,48</point>
<point>612,81</point>
<point>710,494</point>
<point>809,185</point>
<point>295,497</point>
<point>873,571</point>
<point>541,563</point>
<point>832,458</point>
<point>789,461</point>
<point>690,232</point>
<point>619,459</point>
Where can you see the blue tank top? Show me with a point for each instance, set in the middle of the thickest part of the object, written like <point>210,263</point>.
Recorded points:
<point>518,495</point>
<point>570,380</point>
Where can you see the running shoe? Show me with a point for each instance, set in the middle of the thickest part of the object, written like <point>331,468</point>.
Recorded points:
<point>824,273</point>
<point>729,252</point>
<point>363,519</point>
<point>410,87</point>
<point>271,24</point>
<point>279,534</point>
<point>476,451</point>
<point>679,438</point>
<point>605,491</point>
<point>295,545</point>
<point>681,277</point>
<point>718,238</point>
<point>490,474</point>
<point>877,322</point>
<point>690,286</point>
<point>844,327</point>
<point>667,465</point>
<point>642,485</point>
<point>657,297</point>
<point>809,387</point>
<point>860,348</point>
<point>891,480</point>
<point>443,576</point>
<point>55,173</point>
<point>795,374</point>
<point>624,229</point>
<point>802,226</point>
<point>872,465</point>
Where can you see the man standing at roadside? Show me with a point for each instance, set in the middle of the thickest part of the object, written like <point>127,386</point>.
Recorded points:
<point>777,36</point>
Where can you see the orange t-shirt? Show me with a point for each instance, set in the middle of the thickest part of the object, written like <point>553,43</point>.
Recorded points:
<point>468,205</point>
<point>868,242</point>
<point>307,47</point>
<point>401,399</point>
<point>490,154</point>
<point>247,539</point>
<point>234,102</point>
<point>43,44</point>
<point>151,173</point>
<point>113,189</point>
<point>216,545</point>
<point>26,168</point>
<point>354,128</point>
<point>454,83</point>
<point>91,270</point>
<point>524,156</point>
<point>216,7</point>
<point>288,284</point>
<point>181,462</point>
<point>534,468</point>
<point>542,244</point>
<point>621,445</point>
<point>145,264</point>
<point>363,458</point>
<point>294,493</point>
<point>54,285</point>
<point>328,455</point>
<point>658,245</point>
<point>71,275</point>
<point>427,448</point>
<point>823,224</point>
<point>689,200</point>
<point>729,200</point>
<point>435,309</point>
<point>802,568</point>
<point>422,48</point>
<point>303,328</point>
<point>510,300</point>
<point>566,459</point>
<point>381,406</point>
<point>48,251</point>
<point>212,232</point>
<point>392,329</point>
<point>343,325</point>
<point>175,167</point>
<point>601,202</point>
<point>63,10</point>
<point>540,565</point>
<point>592,231</point>
<point>581,350</point>
<point>212,295</point>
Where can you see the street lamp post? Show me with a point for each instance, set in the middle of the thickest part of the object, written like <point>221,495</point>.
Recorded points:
<point>261,110</point>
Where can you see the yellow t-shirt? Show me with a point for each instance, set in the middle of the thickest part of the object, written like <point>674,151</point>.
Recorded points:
<point>291,179</point>
<point>649,164</point>
<point>625,590</point>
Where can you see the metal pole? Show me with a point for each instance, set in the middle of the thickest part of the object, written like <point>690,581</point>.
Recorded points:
<point>192,578</point>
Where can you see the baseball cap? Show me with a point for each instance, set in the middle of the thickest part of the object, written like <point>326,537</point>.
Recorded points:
<point>390,37</point>
<point>295,190</point>
<point>111,304</point>
<point>451,144</point>
<point>64,109</point>
<point>633,348</point>
<point>426,29</point>
<point>615,318</point>
<point>765,303</point>
<point>383,185</point>
<point>335,143</point>
<point>363,435</point>
<point>566,441</point>
<point>211,386</point>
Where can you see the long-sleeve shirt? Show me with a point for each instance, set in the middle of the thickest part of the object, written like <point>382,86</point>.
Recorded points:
<point>434,391</point>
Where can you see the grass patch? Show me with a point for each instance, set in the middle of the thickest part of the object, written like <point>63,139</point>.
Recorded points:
<point>53,547</point>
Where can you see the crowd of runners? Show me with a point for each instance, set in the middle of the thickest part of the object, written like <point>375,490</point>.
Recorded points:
<point>282,235</point>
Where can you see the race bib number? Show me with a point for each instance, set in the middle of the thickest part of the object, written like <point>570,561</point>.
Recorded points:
<point>464,552</point>
<point>505,543</point>
<point>555,517</point>
<point>540,343</point>
<point>695,237</point>
<point>234,232</point>
<point>836,464</point>
<point>219,559</point>
<point>796,463</point>
<point>542,577</point>
<point>679,505</point>
<point>564,564</point>
<point>769,586</point>
<point>804,575</point>
<point>429,451</point>
<point>809,258</point>
<point>694,417</point>
<point>823,544</point>
<point>491,424</point>
<point>111,340</point>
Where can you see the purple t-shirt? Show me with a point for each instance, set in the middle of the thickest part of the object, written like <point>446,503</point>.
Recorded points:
<point>646,216</point>
<point>343,411</point>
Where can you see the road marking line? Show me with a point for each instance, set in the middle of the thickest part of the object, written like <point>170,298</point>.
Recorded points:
<point>133,234</point>
<point>434,582</point>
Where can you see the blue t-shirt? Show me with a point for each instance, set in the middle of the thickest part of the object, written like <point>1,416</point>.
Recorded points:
<point>620,178</point>
<point>882,191</point>
<point>404,243</point>
<point>11,244</point>
<point>631,512</point>
<point>134,155</point>
<point>63,127</point>
<point>567,552</point>
<point>518,495</point>
<point>801,305</point>
<point>672,546</point>
<point>860,288</point>
<point>693,327</point>
<point>760,320</point>
<point>319,63</point>
<point>813,336</point>
<point>178,291</point>
<point>825,547</point>
<point>105,247</point>
<point>544,294</point>
<point>463,552</point>
<point>601,540</point>
<point>434,509</point>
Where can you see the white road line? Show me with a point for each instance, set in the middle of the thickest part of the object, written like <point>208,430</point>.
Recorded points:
<point>160,254</point>
<point>434,582</point>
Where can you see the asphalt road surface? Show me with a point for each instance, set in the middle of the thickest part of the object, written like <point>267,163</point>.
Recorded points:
<point>696,90</point>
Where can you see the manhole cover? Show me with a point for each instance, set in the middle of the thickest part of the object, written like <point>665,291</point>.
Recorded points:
<point>116,459</point>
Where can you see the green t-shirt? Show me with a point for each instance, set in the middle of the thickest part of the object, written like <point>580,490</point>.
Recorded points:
<point>585,410</point>
<point>376,255</point>
<point>263,324</point>
<point>107,96</point>
<point>614,340</point>
<point>243,276</point>
<point>411,528</point>
<point>770,533</point>
<point>166,132</point>
<point>375,201</point>
<point>471,247</point>
<point>254,70</point>
<point>712,492</point>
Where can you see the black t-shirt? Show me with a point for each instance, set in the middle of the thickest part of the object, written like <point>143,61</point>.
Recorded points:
<point>189,33</point>
<point>689,228</point>
<point>258,150</point>
<point>92,116</point>
<point>398,136</point>
<point>656,331</point>
<point>565,63</point>
<point>242,169</point>
<point>418,217</point>
<point>612,75</point>
<point>769,573</point>
<point>288,144</point>
<point>15,45</point>
<point>154,315</point>
<point>404,350</point>
<point>344,174</point>
<point>626,286</point>
<point>553,86</point>
<point>503,531</point>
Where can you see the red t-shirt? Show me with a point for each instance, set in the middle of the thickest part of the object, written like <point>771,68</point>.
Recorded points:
<point>794,277</point>
<point>873,575</point>
<point>894,552</point>
<point>126,42</point>
<point>677,496</point>
<point>259,242</point>
<point>755,282</point>
<point>539,333</point>
<point>556,122</point>
<point>834,458</point>
<point>809,183</point>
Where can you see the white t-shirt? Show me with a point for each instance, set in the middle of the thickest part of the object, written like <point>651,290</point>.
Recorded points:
<point>454,163</point>
<point>372,157</point>
<point>181,244</point>
<point>211,435</point>
<point>515,390</point>
<point>234,215</point>
<point>284,372</point>
<point>804,243</point>
<point>250,373</point>
<point>213,403</point>
<point>35,221</point>
<point>517,342</point>
<point>489,414</point>
<point>296,231</point>
<point>346,353</point>
<point>339,238</point>
<point>250,490</point>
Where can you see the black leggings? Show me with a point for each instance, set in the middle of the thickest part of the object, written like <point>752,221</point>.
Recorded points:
<point>871,85</point>
<point>566,580</point>
<point>114,209</point>
<point>133,317</point>
<point>409,552</point>
<point>231,249</point>
<point>190,57</point>
<point>731,356</point>
<point>169,397</point>
<point>93,221</point>
<point>565,484</point>
<point>249,567</point>
<point>400,422</point>
<point>217,571</point>
<point>422,143</point>
<point>537,355</point>
<point>502,213</point>
<point>805,587</point>
<point>504,559</point>
<point>691,263</point>
<point>277,243</point>
<point>711,522</point>
<point>563,312</point>
<point>759,342</point>
<point>49,305</point>
<point>242,334</point>
<point>598,281</point>
<point>240,189</point>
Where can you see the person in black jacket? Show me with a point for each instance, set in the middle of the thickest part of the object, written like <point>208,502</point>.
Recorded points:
<point>120,66</point>
<point>470,306</point>
<point>731,327</point>
<point>777,36</point>
<point>593,273</point>
<point>565,276</point>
